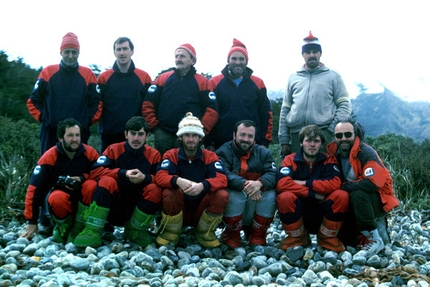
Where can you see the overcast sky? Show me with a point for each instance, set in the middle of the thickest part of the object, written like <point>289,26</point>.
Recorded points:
<point>366,41</point>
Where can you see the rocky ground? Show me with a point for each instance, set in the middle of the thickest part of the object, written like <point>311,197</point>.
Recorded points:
<point>41,262</point>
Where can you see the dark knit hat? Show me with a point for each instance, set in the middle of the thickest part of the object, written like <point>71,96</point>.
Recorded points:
<point>311,43</point>
<point>70,41</point>
<point>190,49</point>
<point>238,46</point>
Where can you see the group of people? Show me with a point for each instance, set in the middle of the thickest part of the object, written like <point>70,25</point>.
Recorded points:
<point>209,168</point>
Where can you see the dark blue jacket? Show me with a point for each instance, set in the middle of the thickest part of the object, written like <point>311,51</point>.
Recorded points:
<point>122,96</point>
<point>172,96</point>
<point>63,92</point>
<point>247,101</point>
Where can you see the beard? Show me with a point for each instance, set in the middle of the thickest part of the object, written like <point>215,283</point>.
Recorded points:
<point>69,148</point>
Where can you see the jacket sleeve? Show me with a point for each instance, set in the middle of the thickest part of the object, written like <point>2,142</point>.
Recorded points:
<point>226,157</point>
<point>269,170</point>
<point>374,175</point>
<point>209,106</point>
<point>150,105</point>
<point>216,178</point>
<point>41,181</point>
<point>94,99</point>
<point>329,180</point>
<point>266,117</point>
<point>286,177</point>
<point>284,130</point>
<point>37,98</point>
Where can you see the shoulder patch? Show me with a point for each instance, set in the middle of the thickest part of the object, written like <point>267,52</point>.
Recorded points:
<point>218,165</point>
<point>285,171</point>
<point>37,169</point>
<point>273,165</point>
<point>165,163</point>
<point>101,159</point>
<point>212,96</point>
<point>152,89</point>
<point>369,172</point>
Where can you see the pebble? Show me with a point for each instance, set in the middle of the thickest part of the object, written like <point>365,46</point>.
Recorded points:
<point>44,263</point>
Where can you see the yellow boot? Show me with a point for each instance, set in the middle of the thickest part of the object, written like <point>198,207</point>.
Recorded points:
<point>205,230</point>
<point>171,228</point>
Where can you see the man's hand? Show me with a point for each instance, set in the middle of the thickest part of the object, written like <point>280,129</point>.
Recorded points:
<point>194,189</point>
<point>285,150</point>
<point>135,175</point>
<point>252,189</point>
<point>30,230</point>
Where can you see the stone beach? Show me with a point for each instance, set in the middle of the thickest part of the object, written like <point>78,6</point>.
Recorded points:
<point>42,262</point>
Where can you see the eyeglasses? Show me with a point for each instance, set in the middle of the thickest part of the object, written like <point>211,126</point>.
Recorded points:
<point>347,135</point>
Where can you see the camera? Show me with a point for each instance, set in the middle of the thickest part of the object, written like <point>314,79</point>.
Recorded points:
<point>67,181</point>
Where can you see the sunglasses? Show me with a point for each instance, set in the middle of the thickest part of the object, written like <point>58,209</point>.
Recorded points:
<point>347,135</point>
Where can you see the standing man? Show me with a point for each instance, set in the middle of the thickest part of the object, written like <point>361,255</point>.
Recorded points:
<point>251,174</point>
<point>126,193</point>
<point>63,91</point>
<point>367,181</point>
<point>310,199</point>
<point>175,93</point>
<point>315,95</point>
<point>193,183</point>
<point>122,89</point>
<point>240,96</point>
<point>59,181</point>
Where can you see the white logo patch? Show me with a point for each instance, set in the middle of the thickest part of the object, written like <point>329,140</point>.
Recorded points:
<point>98,89</point>
<point>37,169</point>
<point>369,172</point>
<point>36,85</point>
<point>285,171</point>
<point>165,163</point>
<point>212,96</point>
<point>336,168</point>
<point>101,159</point>
<point>152,88</point>
<point>218,166</point>
<point>273,165</point>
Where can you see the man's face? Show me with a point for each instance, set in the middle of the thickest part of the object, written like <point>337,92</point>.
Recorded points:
<point>136,139</point>
<point>237,64</point>
<point>183,60</point>
<point>71,139</point>
<point>190,142</point>
<point>70,57</point>
<point>312,58</point>
<point>244,137</point>
<point>311,146</point>
<point>123,53</point>
<point>345,137</point>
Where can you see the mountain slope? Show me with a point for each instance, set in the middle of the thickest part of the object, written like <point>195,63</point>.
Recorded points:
<point>386,113</point>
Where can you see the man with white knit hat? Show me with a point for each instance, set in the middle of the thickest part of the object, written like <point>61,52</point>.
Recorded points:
<point>315,95</point>
<point>174,93</point>
<point>194,187</point>
<point>62,91</point>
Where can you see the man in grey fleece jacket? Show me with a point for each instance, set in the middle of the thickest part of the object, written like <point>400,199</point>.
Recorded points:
<point>314,95</point>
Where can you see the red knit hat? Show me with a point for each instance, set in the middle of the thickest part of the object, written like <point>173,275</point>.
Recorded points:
<point>311,43</point>
<point>70,41</point>
<point>238,46</point>
<point>190,49</point>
